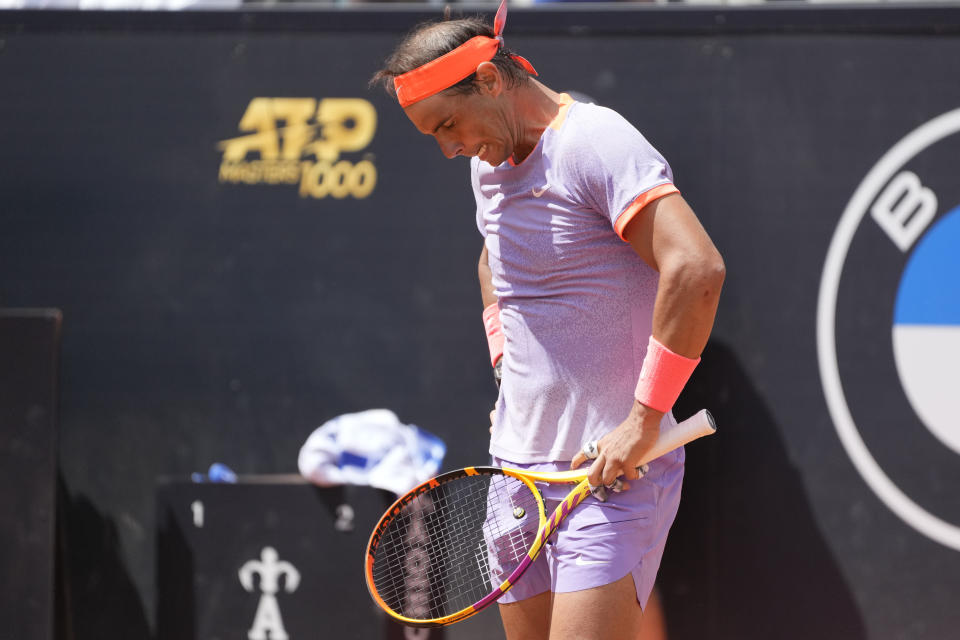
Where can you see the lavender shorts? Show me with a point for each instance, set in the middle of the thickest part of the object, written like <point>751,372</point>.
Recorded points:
<point>601,542</point>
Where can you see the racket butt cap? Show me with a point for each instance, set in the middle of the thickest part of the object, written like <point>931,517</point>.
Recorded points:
<point>711,422</point>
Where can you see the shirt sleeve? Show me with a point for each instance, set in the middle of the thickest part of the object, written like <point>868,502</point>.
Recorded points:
<point>612,168</point>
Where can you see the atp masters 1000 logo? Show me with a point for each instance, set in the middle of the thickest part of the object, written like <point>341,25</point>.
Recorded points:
<point>888,329</point>
<point>298,141</point>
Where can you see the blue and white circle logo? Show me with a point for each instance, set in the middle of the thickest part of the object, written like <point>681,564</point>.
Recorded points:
<point>888,329</point>
<point>926,329</point>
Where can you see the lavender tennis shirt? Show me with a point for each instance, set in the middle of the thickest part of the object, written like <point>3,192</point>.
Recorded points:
<point>576,301</point>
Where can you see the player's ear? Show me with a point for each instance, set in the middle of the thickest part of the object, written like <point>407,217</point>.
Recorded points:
<point>488,79</point>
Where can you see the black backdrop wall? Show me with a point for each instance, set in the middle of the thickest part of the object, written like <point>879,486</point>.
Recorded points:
<point>246,241</point>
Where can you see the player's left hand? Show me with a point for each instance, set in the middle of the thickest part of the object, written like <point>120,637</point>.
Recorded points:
<point>621,450</point>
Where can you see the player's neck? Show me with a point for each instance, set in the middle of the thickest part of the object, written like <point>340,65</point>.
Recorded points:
<point>535,107</point>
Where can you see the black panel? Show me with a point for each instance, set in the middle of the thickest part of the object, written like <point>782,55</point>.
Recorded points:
<point>29,361</point>
<point>264,558</point>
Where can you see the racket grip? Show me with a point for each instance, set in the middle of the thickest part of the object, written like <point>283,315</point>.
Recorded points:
<point>699,425</point>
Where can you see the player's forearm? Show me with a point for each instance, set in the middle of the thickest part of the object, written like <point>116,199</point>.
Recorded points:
<point>687,299</point>
<point>491,317</point>
<point>667,235</point>
<point>486,280</point>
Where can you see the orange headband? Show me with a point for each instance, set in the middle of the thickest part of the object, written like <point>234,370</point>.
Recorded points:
<point>450,68</point>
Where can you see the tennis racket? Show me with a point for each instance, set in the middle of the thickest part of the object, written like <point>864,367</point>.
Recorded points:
<point>453,545</point>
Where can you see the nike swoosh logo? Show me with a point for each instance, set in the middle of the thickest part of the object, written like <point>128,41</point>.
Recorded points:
<point>583,563</point>
<point>539,192</point>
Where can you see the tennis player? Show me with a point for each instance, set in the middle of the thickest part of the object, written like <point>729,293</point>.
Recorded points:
<point>600,288</point>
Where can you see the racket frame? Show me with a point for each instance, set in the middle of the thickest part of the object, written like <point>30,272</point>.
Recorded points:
<point>697,426</point>
<point>495,594</point>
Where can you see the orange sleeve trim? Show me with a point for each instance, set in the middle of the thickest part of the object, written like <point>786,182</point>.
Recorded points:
<point>637,205</point>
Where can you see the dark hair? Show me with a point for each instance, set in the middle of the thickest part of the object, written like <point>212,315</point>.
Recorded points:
<point>431,40</point>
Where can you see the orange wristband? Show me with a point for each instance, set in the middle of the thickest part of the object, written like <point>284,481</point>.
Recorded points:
<point>663,376</point>
<point>495,339</point>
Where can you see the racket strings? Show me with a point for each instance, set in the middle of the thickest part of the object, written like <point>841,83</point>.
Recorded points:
<point>455,544</point>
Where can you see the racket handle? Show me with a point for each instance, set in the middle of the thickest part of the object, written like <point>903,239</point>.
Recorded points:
<point>699,425</point>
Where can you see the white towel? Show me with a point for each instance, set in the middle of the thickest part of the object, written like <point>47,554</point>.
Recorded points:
<point>371,448</point>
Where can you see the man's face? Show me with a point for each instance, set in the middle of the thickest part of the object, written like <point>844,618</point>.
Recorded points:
<point>472,124</point>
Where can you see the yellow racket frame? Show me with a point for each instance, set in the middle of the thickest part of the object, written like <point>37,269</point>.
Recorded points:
<point>544,531</point>
<point>701,424</point>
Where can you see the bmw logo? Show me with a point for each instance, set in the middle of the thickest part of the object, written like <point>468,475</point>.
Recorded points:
<point>888,329</point>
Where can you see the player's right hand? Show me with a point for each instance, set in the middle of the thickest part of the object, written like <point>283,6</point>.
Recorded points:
<point>621,450</point>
